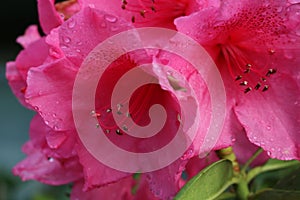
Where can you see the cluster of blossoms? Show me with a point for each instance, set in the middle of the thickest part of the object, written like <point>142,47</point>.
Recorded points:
<point>254,43</point>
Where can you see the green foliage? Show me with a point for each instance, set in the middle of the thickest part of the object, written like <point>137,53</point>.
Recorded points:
<point>209,183</point>
<point>276,180</point>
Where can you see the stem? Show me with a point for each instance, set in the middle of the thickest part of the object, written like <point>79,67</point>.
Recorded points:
<point>242,189</point>
<point>255,155</point>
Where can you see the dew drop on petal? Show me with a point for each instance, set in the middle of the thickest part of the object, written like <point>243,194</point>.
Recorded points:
<point>158,192</point>
<point>54,53</point>
<point>288,55</point>
<point>268,127</point>
<point>187,154</point>
<point>103,24</point>
<point>71,23</point>
<point>66,39</point>
<point>110,18</point>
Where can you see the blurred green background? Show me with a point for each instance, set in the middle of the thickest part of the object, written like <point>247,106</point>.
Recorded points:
<point>15,16</point>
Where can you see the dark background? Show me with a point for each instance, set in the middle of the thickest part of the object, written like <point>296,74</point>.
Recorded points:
<point>15,17</point>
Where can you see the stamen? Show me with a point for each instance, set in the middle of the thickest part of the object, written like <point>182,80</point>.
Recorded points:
<point>119,132</point>
<point>142,13</point>
<point>244,83</point>
<point>95,114</point>
<point>263,79</point>
<point>153,9</point>
<point>125,128</point>
<point>133,19</point>
<point>257,86</point>
<point>248,89</point>
<point>270,72</point>
<point>247,70</point>
<point>107,131</point>
<point>238,77</point>
<point>271,51</point>
<point>266,87</point>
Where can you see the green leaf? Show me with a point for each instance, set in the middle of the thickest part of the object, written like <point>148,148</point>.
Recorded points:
<point>209,183</point>
<point>271,165</point>
<point>290,182</point>
<point>276,195</point>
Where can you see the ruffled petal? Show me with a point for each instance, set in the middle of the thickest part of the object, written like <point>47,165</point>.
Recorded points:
<point>48,16</point>
<point>271,120</point>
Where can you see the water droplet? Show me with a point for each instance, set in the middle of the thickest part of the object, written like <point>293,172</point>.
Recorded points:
<point>71,23</point>
<point>254,138</point>
<point>288,55</point>
<point>78,50</point>
<point>36,108</point>
<point>79,43</point>
<point>296,103</point>
<point>67,39</point>
<point>46,122</point>
<point>54,115</point>
<point>50,159</point>
<point>268,127</point>
<point>158,192</point>
<point>187,154</point>
<point>110,18</point>
<point>54,53</point>
<point>269,153</point>
<point>114,28</point>
<point>56,128</point>
<point>279,9</point>
<point>103,24</point>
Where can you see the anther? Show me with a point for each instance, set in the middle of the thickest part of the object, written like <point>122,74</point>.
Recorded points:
<point>119,132</point>
<point>124,2</point>
<point>133,19</point>
<point>270,72</point>
<point>108,110</point>
<point>257,86</point>
<point>97,125</point>
<point>153,9</point>
<point>95,114</point>
<point>271,51</point>
<point>125,128</point>
<point>263,79</point>
<point>238,77</point>
<point>107,131</point>
<point>248,89</point>
<point>244,83</point>
<point>142,13</point>
<point>266,87</point>
<point>248,66</point>
<point>123,6</point>
<point>128,114</point>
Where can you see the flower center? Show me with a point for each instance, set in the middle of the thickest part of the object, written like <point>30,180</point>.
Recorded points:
<point>245,73</point>
<point>154,10</point>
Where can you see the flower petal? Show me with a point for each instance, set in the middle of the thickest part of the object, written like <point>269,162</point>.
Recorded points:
<point>48,16</point>
<point>273,122</point>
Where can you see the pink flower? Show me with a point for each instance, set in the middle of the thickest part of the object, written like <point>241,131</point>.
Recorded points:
<point>255,45</point>
<point>42,77</point>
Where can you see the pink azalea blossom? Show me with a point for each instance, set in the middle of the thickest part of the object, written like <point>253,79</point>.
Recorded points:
<point>42,78</point>
<point>43,75</point>
<point>255,45</point>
